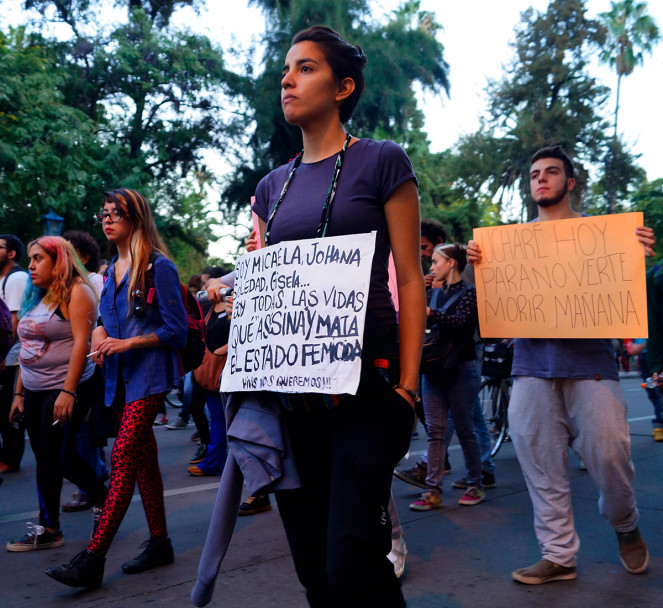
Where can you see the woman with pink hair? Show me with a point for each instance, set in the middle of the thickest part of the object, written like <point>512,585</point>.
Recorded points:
<point>54,384</point>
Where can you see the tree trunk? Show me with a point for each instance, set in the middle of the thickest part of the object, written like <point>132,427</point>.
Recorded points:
<point>612,185</point>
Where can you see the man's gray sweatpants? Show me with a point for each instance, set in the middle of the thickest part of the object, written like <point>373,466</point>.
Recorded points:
<point>546,417</point>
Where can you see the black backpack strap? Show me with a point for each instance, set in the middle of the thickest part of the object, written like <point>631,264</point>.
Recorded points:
<point>15,268</point>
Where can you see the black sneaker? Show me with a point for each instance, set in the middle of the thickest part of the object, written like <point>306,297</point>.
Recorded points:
<point>85,570</point>
<point>415,476</point>
<point>36,538</point>
<point>200,454</point>
<point>487,478</point>
<point>255,504</point>
<point>158,552</point>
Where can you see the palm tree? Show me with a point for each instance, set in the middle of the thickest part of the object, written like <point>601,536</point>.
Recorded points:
<point>631,33</point>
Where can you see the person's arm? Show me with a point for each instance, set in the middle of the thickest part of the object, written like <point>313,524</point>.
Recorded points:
<point>646,237</point>
<point>473,252</point>
<point>402,213</point>
<point>81,312</point>
<point>16,409</point>
<point>654,312</point>
<point>463,315</point>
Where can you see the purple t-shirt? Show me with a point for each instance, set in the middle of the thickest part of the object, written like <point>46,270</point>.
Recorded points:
<point>372,171</point>
<point>572,358</point>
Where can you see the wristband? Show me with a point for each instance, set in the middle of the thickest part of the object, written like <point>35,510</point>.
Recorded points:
<point>64,390</point>
<point>19,395</point>
<point>409,391</point>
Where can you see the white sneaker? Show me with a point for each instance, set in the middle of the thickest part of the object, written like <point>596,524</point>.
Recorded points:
<point>179,424</point>
<point>397,555</point>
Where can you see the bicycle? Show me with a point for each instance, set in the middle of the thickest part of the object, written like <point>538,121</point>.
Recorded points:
<point>494,395</point>
<point>495,391</point>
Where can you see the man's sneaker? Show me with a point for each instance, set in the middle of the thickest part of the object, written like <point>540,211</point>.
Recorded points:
<point>428,501</point>
<point>415,476</point>
<point>200,454</point>
<point>658,434</point>
<point>397,555</point>
<point>37,537</point>
<point>255,504</point>
<point>178,425</point>
<point>488,480</point>
<point>79,502</point>
<point>633,551</point>
<point>544,571</point>
<point>161,420</point>
<point>473,496</point>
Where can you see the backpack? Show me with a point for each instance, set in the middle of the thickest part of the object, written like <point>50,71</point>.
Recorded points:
<point>191,356</point>
<point>6,330</point>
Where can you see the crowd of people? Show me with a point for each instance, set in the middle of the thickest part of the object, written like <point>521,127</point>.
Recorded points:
<point>97,351</point>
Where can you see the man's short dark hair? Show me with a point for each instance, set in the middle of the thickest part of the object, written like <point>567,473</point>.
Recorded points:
<point>216,272</point>
<point>14,244</point>
<point>85,245</point>
<point>556,152</point>
<point>434,231</point>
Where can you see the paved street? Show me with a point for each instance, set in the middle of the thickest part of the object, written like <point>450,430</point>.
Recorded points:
<point>458,556</point>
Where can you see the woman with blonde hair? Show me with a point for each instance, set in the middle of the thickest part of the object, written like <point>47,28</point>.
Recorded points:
<point>144,325</point>
<point>54,387</point>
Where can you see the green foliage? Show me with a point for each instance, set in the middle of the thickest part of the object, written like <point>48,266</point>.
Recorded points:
<point>648,198</point>
<point>630,34</point>
<point>136,107</point>
<point>548,95</point>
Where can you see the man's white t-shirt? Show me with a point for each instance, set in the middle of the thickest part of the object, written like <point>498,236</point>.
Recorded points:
<point>12,294</point>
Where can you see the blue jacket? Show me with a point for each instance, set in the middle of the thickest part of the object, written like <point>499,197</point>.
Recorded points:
<point>145,371</point>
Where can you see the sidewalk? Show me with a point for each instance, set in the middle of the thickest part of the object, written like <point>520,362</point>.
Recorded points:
<point>458,556</point>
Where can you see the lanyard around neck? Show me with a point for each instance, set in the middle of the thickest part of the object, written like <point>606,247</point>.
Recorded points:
<point>331,193</point>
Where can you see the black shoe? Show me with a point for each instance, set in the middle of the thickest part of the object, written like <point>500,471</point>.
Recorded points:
<point>415,476</point>
<point>158,552</point>
<point>85,570</point>
<point>254,504</point>
<point>488,481</point>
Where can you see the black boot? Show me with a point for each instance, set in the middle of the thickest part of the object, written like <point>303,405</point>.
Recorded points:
<point>158,552</point>
<point>85,570</point>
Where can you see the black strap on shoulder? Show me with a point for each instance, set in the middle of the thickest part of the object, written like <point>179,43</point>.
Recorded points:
<point>15,268</point>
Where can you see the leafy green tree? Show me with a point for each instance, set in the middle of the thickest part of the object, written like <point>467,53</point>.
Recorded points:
<point>648,198</point>
<point>401,52</point>
<point>548,96</point>
<point>149,98</point>
<point>49,153</point>
<point>631,33</point>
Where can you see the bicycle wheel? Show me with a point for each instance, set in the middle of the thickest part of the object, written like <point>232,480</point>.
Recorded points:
<point>494,396</point>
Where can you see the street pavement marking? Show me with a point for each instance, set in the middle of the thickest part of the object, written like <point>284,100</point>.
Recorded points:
<point>174,492</point>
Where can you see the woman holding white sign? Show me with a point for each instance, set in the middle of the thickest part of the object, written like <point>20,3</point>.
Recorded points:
<point>346,446</point>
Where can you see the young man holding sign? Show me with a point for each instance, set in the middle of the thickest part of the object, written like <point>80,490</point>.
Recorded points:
<point>566,393</point>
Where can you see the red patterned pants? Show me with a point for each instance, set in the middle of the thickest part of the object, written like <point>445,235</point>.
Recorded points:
<point>134,457</point>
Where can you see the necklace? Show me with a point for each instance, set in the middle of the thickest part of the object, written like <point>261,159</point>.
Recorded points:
<point>331,193</point>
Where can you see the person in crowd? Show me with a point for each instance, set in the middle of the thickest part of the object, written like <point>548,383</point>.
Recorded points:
<point>13,280</point>
<point>208,377</point>
<point>566,393</point>
<point>654,345</point>
<point>639,349</point>
<point>453,389</point>
<point>54,387</point>
<point>143,325</point>
<point>433,233</point>
<point>88,252</point>
<point>345,455</point>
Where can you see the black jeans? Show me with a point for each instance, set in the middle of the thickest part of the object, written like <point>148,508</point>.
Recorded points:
<point>13,439</point>
<point>337,523</point>
<point>55,451</point>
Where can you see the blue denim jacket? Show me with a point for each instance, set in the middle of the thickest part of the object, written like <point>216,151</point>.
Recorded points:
<point>145,371</point>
